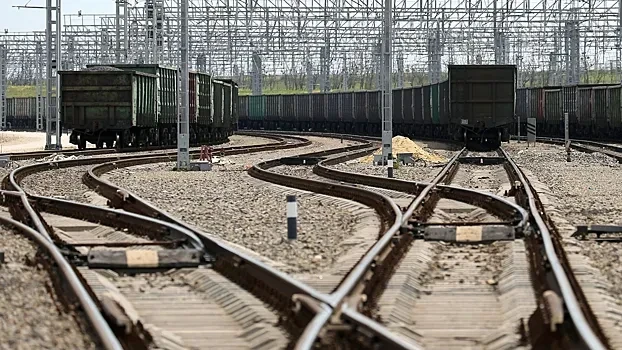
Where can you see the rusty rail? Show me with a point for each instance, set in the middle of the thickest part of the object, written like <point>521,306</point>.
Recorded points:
<point>588,329</point>
<point>42,239</point>
<point>575,302</point>
<point>92,152</point>
<point>26,209</point>
<point>277,289</point>
<point>361,280</point>
<point>585,146</point>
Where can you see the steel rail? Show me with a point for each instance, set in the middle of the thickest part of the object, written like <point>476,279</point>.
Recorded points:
<point>145,226</point>
<point>13,180</point>
<point>587,146</point>
<point>101,327</point>
<point>384,206</point>
<point>390,212</point>
<point>358,272</point>
<point>307,338</point>
<point>20,203</point>
<point>570,299</point>
<point>355,276</point>
<point>119,152</point>
<point>426,191</point>
<point>491,202</point>
<point>389,340</point>
<point>96,151</point>
<point>273,286</point>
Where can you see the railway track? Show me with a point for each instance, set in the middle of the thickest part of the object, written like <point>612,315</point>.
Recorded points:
<point>588,146</point>
<point>108,249</point>
<point>554,286</point>
<point>97,152</point>
<point>354,312</point>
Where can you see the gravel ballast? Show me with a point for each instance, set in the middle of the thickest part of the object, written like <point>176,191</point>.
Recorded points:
<point>66,183</point>
<point>420,171</point>
<point>586,190</point>
<point>246,211</point>
<point>29,317</point>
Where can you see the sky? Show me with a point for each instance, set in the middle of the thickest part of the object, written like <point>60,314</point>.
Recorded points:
<point>26,20</point>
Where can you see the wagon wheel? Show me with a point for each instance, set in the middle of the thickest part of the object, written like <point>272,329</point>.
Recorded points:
<point>81,142</point>
<point>123,139</point>
<point>142,139</point>
<point>155,137</point>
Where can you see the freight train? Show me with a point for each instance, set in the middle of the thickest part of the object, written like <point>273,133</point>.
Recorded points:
<point>21,113</point>
<point>595,111</point>
<point>134,106</point>
<point>475,105</point>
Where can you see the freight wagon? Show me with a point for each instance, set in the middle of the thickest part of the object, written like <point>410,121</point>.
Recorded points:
<point>104,107</point>
<point>435,111</point>
<point>21,113</point>
<point>477,101</point>
<point>136,105</point>
<point>481,104</point>
<point>594,111</point>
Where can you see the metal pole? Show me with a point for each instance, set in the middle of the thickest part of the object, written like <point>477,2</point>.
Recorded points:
<point>48,74</point>
<point>59,47</point>
<point>117,22</point>
<point>39,51</point>
<point>126,33</point>
<point>619,49</point>
<point>518,128</point>
<point>183,129</point>
<point>154,41</point>
<point>3,65</point>
<point>387,116</point>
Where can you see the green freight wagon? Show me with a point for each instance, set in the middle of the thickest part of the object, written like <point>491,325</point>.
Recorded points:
<point>257,108</point>
<point>217,106</point>
<point>166,87</point>
<point>235,113</point>
<point>102,107</point>
<point>225,107</point>
<point>204,88</point>
<point>200,98</point>
<point>243,102</point>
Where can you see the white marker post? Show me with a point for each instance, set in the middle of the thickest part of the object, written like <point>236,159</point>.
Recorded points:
<point>292,216</point>
<point>390,166</point>
<point>567,137</point>
<point>531,131</point>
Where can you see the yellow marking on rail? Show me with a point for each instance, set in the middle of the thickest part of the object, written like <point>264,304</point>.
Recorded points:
<point>468,233</point>
<point>142,258</point>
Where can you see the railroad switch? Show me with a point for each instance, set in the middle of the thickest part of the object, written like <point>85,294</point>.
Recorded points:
<point>482,160</point>
<point>138,258</point>
<point>464,232</point>
<point>545,322</point>
<point>301,160</point>
<point>583,231</point>
<point>144,258</point>
<point>469,233</point>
